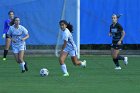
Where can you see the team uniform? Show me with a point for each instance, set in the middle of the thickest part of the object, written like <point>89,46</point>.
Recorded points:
<point>116,31</point>
<point>6,27</point>
<point>5,30</point>
<point>70,48</point>
<point>17,34</point>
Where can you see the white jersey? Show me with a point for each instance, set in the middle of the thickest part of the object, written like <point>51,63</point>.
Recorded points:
<point>17,34</point>
<point>66,35</point>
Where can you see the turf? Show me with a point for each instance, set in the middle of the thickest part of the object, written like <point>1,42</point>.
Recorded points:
<point>98,77</point>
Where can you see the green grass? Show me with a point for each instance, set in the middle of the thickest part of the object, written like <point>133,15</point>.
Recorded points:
<point>98,77</point>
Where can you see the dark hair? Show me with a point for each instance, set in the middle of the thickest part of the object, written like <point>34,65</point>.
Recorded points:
<point>117,15</point>
<point>11,12</point>
<point>13,21</point>
<point>69,26</point>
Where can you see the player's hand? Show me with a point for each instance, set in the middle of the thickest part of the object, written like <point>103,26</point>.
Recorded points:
<point>60,52</point>
<point>14,41</point>
<point>3,36</point>
<point>119,42</point>
<point>23,39</point>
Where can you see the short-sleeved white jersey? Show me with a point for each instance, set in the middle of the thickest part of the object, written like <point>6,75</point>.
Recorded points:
<point>66,35</point>
<point>17,34</point>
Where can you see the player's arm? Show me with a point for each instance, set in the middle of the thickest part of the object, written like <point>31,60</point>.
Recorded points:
<point>110,34</point>
<point>25,31</point>
<point>64,45</point>
<point>65,39</point>
<point>26,37</point>
<point>4,30</point>
<point>122,35</point>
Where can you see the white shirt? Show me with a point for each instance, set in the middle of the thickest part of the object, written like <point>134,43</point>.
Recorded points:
<point>66,35</point>
<point>17,34</point>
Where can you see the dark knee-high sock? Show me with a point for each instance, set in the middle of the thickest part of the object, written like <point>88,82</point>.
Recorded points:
<point>120,57</point>
<point>116,62</point>
<point>5,53</point>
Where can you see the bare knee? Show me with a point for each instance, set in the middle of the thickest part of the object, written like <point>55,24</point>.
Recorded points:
<point>7,47</point>
<point>61,61</point>
<point>20,60</point>
<point>114,56</point>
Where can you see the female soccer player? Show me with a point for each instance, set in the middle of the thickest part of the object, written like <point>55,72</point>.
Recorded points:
<point>6,27</point>
<point>117,33</point>
<point>18,34</point>
<point>68,47</point>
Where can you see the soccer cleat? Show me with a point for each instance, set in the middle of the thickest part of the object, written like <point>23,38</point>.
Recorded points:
<point>125,60</point>
<point>118,68</point>
<point>66,74</point>
<point>84,63</point>
<point>4,59</point>
<point>25,66</point>
<point>22,71</point>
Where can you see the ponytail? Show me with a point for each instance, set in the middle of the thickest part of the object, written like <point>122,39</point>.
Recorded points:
<point>69,26</point>
<point>13,21</point>
<point>117,15</point>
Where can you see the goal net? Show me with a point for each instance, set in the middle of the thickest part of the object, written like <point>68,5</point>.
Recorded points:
<point>41,18</point>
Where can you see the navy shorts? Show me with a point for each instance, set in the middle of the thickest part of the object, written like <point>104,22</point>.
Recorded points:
<point>117,47</point>
<point>7,36</point>
<point>114,45</point>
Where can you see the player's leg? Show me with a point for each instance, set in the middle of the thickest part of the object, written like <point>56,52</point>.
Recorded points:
<point>7,46</point>
<point>21,56</point>
<point>21,60</point>
<point>62,58</point>
<point>119,57</point>
<point>16,54</point>
<point>114,53</point>
<point>75,60</point>
<point>125,59</point>
<point>16,57</point>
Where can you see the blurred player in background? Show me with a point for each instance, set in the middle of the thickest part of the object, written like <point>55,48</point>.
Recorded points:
<point>6,28</point>
<point>117,33</point>
<point>68,47</point>
<point>18,34</point>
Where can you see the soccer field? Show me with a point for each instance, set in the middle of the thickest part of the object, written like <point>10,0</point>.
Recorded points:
<point>98,77</point>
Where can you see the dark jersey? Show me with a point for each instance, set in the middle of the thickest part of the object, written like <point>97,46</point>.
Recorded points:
<point>116,31</point>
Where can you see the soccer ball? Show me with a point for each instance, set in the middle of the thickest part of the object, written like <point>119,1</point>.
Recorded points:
<point>44,72</point>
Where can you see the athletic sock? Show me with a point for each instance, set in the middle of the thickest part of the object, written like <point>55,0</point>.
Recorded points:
<point>64,68</point>
<point>5,53</point>
<point>120,57</point>
<point>82,64</point>
<point>22,65</point>
<point>116,62</point>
